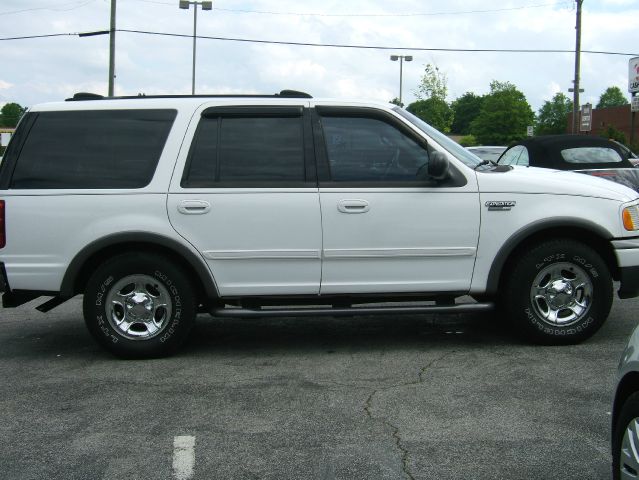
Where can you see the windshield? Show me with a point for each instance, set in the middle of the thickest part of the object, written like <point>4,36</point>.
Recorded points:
<point>449,145</point>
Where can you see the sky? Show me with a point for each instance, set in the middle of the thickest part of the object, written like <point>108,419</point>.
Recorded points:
<point>51,69</point>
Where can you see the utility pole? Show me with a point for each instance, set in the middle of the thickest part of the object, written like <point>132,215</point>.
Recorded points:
<point>576,90</point>
<point>112,50</point>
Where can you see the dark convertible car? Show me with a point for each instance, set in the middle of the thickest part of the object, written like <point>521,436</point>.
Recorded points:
<point>585,154</point>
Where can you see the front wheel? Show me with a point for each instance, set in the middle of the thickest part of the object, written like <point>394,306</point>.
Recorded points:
<point>559,292</point>
<point>139,305</point>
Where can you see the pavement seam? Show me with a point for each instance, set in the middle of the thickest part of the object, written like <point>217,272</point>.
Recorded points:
<point>398,440</point>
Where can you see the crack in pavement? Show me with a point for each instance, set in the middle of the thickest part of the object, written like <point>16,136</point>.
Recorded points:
<point>368,405</point>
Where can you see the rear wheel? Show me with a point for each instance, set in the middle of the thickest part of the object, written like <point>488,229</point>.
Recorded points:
<point>139,305</point>
<point>559,292</point>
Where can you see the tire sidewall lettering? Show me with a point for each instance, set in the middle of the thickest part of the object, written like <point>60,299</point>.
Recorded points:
<point>558,331</point>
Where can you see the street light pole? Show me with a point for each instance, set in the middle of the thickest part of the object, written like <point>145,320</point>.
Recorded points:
<point>194,47</point>
<point>401,59</point>
<point>112,50</point>
<point>185,4</point>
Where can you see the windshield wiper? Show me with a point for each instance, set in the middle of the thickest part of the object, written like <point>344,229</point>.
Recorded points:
<point>486,162</point>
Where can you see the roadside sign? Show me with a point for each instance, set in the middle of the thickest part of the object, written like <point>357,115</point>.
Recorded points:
<point>634,106</point>
<point>586,118</point>
<point>529,131</point>
<point>633,75</point>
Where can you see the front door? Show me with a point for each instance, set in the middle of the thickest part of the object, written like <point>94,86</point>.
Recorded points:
<point>387,226</point>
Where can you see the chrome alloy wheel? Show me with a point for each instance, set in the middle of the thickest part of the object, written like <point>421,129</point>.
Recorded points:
<point>138,307</point>
<point>629,453</point>
<point>561,294</point>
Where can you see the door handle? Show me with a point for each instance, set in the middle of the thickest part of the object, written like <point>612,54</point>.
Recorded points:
<point>194,207</point>
<point>353,206</point>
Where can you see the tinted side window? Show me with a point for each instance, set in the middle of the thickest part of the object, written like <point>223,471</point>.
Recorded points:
<point>258,149</point>
<point>246,150</point>
<point>93,149</point>
<point>202,169</point>
<point>368,149</point>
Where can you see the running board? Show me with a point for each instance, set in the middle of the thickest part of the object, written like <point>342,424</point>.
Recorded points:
<point>348,312</point>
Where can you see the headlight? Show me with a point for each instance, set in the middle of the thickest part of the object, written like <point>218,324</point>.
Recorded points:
<point>630,217</point>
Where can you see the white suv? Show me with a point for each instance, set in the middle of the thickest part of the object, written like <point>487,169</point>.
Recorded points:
<point>157,208</point>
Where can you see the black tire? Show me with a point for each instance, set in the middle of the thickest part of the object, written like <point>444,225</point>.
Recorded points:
<point>139,305</point>
<point>572,293</point>
<point>629,412</point>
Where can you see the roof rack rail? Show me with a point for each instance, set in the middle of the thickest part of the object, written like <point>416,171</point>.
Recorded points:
<point>293,94</point>
<point>81,96</point>
<point>85,96</point>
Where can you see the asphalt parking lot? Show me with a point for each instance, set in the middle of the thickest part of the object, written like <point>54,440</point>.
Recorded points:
<point>410,397</point>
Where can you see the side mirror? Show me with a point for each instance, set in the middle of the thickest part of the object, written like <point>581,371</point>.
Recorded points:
<point>438,165</point>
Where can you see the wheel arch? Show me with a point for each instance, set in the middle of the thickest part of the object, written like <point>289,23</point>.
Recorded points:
<point>588,233</point>
<point>87,260</point>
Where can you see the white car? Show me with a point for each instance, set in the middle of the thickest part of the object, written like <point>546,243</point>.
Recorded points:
<point>157,208</point>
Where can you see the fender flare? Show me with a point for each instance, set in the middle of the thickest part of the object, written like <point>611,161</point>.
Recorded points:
<point>516,239</point>
<point>67,288</point>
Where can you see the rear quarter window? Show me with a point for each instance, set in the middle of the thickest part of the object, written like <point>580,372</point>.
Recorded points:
<point>591,155</point>
<point>102,149</point>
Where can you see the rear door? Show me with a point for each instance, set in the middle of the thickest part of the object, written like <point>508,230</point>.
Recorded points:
<point>247,199</point>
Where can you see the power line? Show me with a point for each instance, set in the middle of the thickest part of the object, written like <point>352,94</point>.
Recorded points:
<point>419,14</point>
<point>326,45</point>
<point>373,47</point>
<point>29,37</point>
<point>60,8</point>
<point>382,15</point>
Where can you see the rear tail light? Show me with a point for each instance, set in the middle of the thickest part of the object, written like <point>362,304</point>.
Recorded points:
<point>3,232</point>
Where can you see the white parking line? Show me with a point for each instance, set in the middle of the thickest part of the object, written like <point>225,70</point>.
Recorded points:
<point>183,457</point>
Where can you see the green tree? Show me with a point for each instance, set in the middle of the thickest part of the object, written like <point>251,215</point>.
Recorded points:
<point>553,115</point>
<point>434,84</point>
<point>612,97</point>
<point>10,114</point>
<point>465,110</point>
<point>395,101</point>
<point>431,105</point>
<point>613,133</point>
<point>504,115</point>
<point>433,111</point>
<point>467,141</point>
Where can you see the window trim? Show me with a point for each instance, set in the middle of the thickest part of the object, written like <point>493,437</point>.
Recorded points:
<point>219,112</point>
<point>456,179</point>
